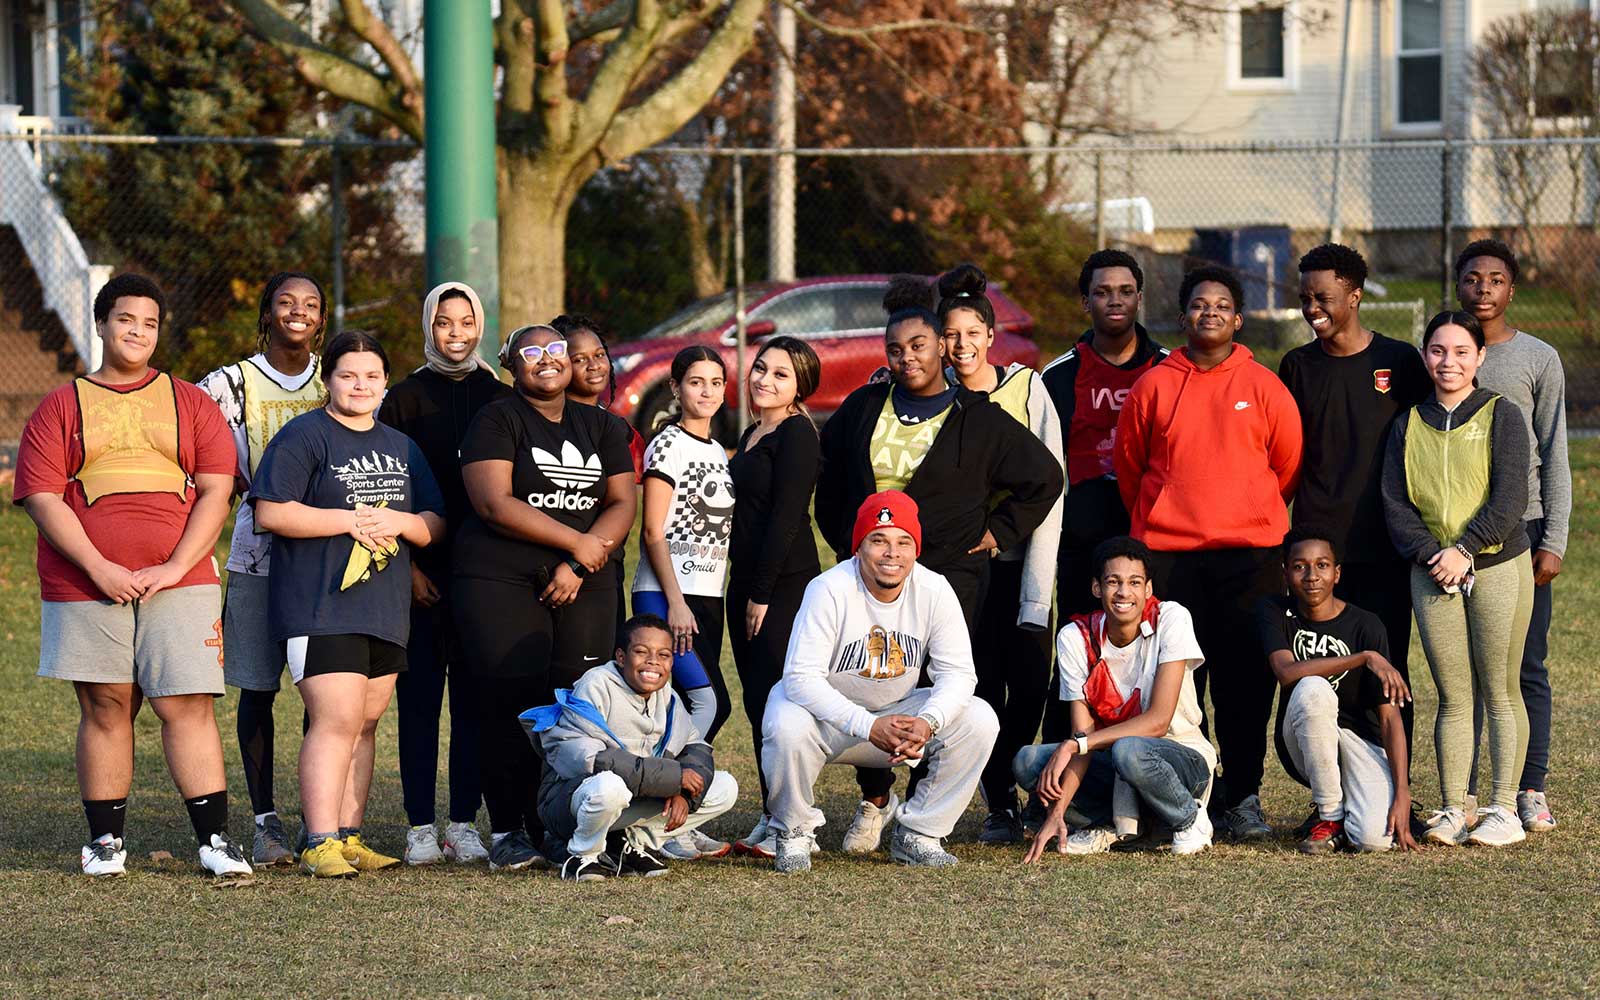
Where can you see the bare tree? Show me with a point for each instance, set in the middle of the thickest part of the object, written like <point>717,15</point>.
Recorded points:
<point>585,83</point>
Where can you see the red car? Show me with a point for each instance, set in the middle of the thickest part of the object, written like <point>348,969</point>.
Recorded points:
<point>842,318</point>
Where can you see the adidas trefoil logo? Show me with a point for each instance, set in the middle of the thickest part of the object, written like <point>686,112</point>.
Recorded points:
<point>571,469</point>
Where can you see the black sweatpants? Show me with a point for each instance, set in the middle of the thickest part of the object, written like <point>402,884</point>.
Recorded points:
<point>519,651</point>
<point>1384,588</point>
<point>1220,587</point>
<point>970,581</point>
<point>759,660</point>
<point>1093,512</point>
<point>1013,667</point>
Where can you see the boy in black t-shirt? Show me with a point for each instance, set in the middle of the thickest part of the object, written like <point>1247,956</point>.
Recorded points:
<point>1349,384</point>
<point>1339,728</point>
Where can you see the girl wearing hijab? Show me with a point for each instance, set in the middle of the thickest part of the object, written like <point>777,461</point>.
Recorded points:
<point>433,406</point>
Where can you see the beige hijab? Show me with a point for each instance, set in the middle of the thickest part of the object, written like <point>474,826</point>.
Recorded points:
<point>435,358</point>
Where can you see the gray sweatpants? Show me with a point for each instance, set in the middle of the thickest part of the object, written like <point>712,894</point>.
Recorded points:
<point>1349,776</point>
<point>1478,638</point>
<point>796,745</point>
<point>602,803</point>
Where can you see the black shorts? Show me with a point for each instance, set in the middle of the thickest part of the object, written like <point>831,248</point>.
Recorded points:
<point>369,656</point>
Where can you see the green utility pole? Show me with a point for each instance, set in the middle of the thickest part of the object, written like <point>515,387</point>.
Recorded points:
<point>458,95</point>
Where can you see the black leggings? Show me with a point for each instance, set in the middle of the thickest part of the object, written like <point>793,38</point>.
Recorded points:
<point>759,661</point>
<point>519,652</point>
<point>1013,666</point>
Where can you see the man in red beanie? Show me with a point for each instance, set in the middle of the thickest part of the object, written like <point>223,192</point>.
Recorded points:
<point>866,630</point>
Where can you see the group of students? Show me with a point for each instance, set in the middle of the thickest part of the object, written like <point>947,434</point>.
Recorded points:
<point>458,532</point>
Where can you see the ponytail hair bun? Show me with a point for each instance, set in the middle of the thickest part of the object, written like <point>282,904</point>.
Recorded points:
<point>907,292</point>
<point>964,287</point>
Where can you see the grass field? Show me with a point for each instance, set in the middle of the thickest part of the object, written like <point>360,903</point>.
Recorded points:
<point>1236,921</point>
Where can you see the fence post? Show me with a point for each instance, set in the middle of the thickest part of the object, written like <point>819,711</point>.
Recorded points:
<point>338,241</point>
<point>1445,218</point>
<point>1099,201</point>
<point>738,288</point>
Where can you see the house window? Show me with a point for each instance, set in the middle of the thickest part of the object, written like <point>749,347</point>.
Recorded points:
<point>1419,63</point>
<point>1261,47</point>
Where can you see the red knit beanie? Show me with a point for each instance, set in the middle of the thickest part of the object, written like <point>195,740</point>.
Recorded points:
<point>891,509</point>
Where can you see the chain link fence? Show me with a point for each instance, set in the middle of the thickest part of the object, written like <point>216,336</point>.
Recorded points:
<point>651,238</point>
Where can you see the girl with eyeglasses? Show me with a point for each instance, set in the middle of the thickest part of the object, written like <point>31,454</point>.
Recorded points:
<point>551,486</point>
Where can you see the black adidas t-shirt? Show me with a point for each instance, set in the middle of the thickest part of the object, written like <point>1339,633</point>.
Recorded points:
<point>1352,631</point>
<point>559,468</point>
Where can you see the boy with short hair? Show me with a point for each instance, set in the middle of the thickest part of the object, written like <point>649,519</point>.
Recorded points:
<point>1526,371</point>
<point>1126,674</point>
<point>624,762</point>
<point>127,472</point>
<point>1339,729</point>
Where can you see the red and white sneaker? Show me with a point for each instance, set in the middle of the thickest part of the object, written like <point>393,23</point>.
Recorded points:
<point>1326,837</point>
<point>758,835</point>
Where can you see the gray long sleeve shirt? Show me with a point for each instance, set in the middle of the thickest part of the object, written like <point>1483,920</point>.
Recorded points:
<point>1527,372</point>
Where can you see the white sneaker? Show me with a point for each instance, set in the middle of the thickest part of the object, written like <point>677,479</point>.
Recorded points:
<point>1448,827</point>
<point>1090,840</point>
<point>223,858</point>
<point>1195,837</point>
<point>1534,811</point>
<point>1498,827</point>
<point>919,850</point>
<point>792,853</point>
<point>105,858</point>
<point>758,834</point>
<point>693,846</point>
<point>866,829</point>
<point>422,846</point>
<point>463,844</point>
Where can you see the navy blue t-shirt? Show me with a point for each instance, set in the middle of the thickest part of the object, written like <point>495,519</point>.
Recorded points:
<point>317,461</point>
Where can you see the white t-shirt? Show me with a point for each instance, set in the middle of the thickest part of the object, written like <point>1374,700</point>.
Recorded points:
<point>851,655</point>
<point>249,550</point>
<point>1133,667</point>
<point>701,517</point>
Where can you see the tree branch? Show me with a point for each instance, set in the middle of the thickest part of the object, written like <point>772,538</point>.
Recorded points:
<point>375,33</point>
<point>608,18</point>
<point>625,58</point>
<point>553,104</point>
<point>867,31</point>
<point>326,69</point>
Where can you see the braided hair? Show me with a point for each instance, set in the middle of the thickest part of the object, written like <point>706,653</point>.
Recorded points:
<point>264,320</point>
<point>568,324</point>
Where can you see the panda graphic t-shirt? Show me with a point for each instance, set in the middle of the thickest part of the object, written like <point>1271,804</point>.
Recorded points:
<point>701,517</point>
<point>1351,631</point>
<point>560,469</point>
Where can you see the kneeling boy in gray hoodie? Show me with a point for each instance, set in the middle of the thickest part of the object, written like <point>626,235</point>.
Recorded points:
<point>621,754</point>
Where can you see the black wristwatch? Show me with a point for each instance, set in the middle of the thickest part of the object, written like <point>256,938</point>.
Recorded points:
<point>577,568</point>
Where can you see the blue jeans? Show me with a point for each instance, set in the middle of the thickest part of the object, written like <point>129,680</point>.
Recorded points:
<point>1168,776</point>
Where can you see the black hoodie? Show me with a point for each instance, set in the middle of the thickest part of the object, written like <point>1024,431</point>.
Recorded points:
<point>980,452</point>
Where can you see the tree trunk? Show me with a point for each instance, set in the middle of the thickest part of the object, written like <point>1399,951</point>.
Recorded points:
<point>536,193</point>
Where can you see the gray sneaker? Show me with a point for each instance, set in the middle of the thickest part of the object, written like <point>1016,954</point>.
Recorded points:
<point>272,844</point>
<point>911,848</point>
<point>1245,822</point>
<point>1534,811</point>
<point>1002,827</point>
<point>794,853</point>
<point>1497,828</point>
<point>1448,827</point>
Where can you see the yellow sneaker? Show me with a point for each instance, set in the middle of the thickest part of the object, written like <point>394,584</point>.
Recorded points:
<point>364,858</point>
<point>326,860</point>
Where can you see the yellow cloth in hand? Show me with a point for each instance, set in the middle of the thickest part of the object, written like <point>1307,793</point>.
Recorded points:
<point>365,561</point>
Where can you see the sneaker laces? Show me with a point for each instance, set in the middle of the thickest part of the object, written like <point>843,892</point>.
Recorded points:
<point>1440,815</point>
<point>275,833</point>
<point>230,850</point>
<point>103,850</point>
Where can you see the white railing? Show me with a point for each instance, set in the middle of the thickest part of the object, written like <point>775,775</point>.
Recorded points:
<point>68,280</point>
<point>45,125</point>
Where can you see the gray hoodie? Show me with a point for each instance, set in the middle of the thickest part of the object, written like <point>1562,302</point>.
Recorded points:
<point>647,741</point>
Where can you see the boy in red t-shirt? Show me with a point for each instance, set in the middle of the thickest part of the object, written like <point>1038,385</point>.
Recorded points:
<point>128,473</point>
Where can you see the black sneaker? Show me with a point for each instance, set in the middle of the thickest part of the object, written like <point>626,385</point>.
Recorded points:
<point>1245,821</point>
<point>595,869</point>
<point>638,861</point>
<point>1303,831</point>
<point>1033,816</point>
<point>1003,827</point>
<point>515,851</point>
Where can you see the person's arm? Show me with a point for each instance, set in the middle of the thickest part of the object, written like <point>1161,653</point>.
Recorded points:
<point>213,497</point>
<point>488,484</point>
<point>950,665</point>
<point>1502,513</point>
<point>1130,455</point>
<point>835,458</point>
<point>1394,746</point>
<point>1064,773</point>
<point>1555,473</point>
<point>1026,471</point>
<point>1156,719</point>
<point>1039,563</point>
<point>805,665</point>
<point>696,758</point>
<point>659,486</point>
<point>797,454</point>
<point>1411,537</point>
<point>1285,438</point>
<point>64,532</point>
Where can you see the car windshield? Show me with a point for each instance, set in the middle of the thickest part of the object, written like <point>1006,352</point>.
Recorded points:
<point>705,315</point>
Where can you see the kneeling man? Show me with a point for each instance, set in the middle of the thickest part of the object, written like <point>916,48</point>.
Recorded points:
<point>866,630</point>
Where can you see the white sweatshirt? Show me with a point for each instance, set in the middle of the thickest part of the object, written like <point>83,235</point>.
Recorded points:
<point>850,655</point>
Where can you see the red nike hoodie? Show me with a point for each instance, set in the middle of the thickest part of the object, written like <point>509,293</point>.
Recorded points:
<point>1208,459</point>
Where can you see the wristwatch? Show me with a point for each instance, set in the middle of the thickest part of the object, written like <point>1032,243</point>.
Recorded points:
<point>933,724</point>
<point>1082,739</point>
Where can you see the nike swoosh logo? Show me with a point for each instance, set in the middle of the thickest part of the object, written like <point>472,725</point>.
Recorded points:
<point>201,802</point>
<point>123,806</point>
<point>593,659</point>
